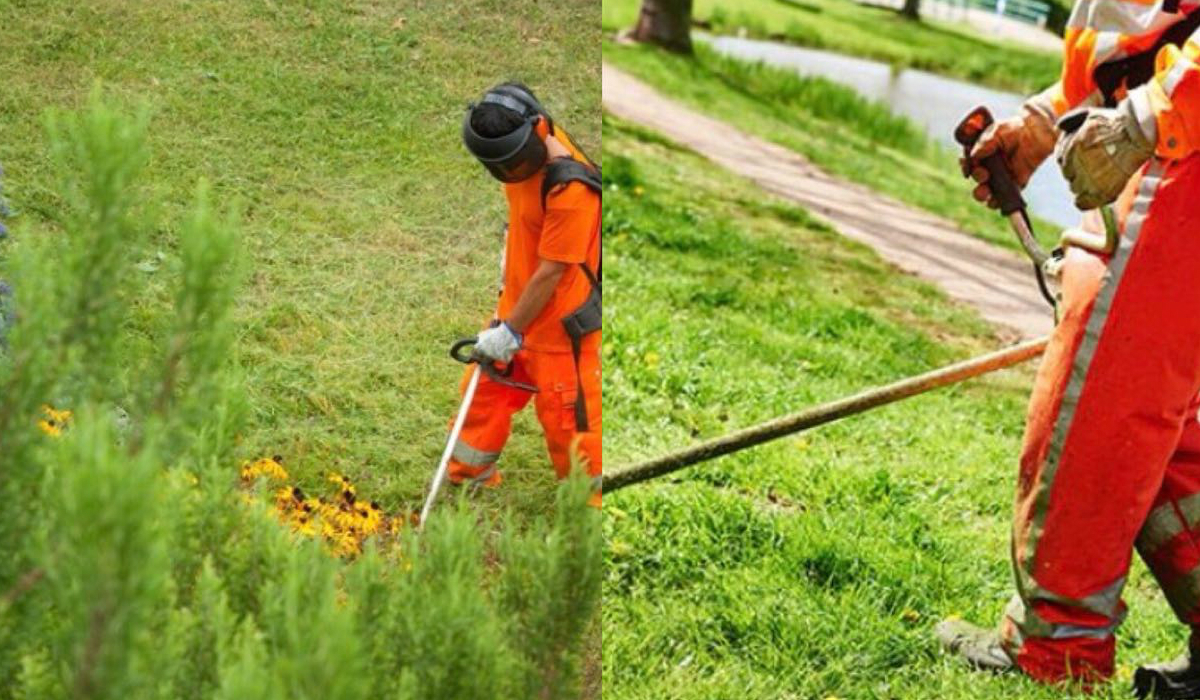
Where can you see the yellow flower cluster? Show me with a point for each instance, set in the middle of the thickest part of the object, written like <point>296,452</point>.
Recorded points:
<point>270,467</point>
<point>343,522</point>
<point>53,421</point>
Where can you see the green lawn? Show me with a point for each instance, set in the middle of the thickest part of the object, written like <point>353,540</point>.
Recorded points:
<point>815,566</point>
<point>372,234</point>
<point>827,123</point>
<point>847,27</point>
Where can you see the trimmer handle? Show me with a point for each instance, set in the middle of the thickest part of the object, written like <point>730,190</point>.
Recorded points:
<point>463,351</point>
<point>1000,181</point>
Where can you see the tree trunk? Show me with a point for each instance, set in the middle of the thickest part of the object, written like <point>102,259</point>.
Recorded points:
<point>667,23</point>
<point>911,9</point>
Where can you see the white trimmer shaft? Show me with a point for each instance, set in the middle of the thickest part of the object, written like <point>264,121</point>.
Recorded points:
<point>440,475</point>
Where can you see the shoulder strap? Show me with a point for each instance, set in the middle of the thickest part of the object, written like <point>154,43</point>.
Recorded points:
<point>1138,69</point>
<point>560,171</point>
<point>564,170</point>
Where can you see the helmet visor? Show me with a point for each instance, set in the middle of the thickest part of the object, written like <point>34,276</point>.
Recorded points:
<point>510,158</point>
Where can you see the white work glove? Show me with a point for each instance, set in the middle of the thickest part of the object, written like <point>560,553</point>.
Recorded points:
<point>1024,140</point>
<point>1099,157</point>
<point>498,343</point>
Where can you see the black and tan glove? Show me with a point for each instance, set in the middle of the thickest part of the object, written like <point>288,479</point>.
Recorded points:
<point>1100,156</point>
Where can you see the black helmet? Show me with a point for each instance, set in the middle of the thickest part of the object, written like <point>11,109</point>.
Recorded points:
<point>519,154</point>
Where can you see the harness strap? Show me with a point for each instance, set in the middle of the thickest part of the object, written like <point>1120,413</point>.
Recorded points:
<point>1138,69</point>
<point>581,418</point>
<point>560,172</point>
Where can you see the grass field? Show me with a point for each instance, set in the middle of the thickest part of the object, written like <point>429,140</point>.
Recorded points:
<point>373,235</point>
<point>815,566</point>
<point>848,27</point>
<point>828,124</point>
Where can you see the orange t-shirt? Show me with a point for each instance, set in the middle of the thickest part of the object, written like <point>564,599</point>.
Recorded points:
<point>567,231</point>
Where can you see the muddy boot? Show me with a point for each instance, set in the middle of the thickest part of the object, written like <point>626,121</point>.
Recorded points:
<point>980,647</point>
<point>1178,679</point>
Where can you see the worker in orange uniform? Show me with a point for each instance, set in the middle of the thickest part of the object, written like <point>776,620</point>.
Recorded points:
<point>1111,456</point>
<point>547,324</point>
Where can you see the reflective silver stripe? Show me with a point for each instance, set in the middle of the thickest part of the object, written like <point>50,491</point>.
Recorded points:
<point>1075,631</point>
<point>1106,601</point>
<point>484,475</point>
<point>1139,101</point>
<point>1162,525</point>
<point>465,454</point>
<point>1190,507</point>
<point>1107,47</point>
<point>1028,624</point>
<point>1087,349</point>
<point>1175,75</point>
<point>1184,594</point>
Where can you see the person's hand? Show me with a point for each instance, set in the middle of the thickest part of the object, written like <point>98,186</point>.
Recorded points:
<point>498,343</point>
<point>1024,141</point>
<point>1099,157</point>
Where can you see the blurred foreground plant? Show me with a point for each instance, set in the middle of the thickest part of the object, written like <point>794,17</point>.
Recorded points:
<point>134,570</point>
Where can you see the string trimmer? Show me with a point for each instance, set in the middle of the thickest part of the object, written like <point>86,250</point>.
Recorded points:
<point>460,352</point>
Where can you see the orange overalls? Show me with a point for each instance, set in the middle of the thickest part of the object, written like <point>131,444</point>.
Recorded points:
<point>566,230</point>
<point>1111,456</point>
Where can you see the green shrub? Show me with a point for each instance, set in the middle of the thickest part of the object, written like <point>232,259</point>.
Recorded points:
<point>136,567</point>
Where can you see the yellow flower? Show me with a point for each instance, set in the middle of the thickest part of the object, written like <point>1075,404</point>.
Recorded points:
<point>53,421</point>
<point>305,526</point>
<point>270,467</point>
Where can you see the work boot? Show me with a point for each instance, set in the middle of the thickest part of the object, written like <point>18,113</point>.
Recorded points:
<point>981,648</point>
<point>1178,679</point>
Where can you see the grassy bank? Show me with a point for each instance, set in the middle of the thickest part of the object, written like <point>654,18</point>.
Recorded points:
<point>814,566</point>
<point>827,123</point>
<point>872,32</point>
<point>372,234</point>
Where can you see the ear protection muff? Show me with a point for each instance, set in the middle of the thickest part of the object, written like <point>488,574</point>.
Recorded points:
<point>517,155</point>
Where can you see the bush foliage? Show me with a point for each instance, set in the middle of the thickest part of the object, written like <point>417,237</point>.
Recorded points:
<point>136,567</point>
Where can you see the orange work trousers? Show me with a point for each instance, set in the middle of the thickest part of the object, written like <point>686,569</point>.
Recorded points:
<point>1111,456</point>
<point>489,419</point>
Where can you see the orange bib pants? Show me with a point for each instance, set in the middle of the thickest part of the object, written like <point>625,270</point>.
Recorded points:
<point>489,419</point>
<point>1111,456</point>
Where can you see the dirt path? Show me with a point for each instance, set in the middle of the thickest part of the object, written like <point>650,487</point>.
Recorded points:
<point>998,283</point>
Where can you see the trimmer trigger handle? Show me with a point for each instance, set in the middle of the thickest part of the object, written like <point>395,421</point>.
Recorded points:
<point>1000,181</point>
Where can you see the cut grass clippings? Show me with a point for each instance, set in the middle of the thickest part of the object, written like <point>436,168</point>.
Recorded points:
<point>814,566</point>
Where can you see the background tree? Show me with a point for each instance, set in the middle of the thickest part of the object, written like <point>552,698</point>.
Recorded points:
<point>911,9</point>
<point>666,23</point>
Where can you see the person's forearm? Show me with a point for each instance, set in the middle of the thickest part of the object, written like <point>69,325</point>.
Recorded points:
<point>535,295</point>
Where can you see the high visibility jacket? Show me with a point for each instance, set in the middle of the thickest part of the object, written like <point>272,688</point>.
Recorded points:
<point>1101,48</point>
<point>564,228</point>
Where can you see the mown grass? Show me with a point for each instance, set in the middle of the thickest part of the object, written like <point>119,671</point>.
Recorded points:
<point>827,123</point>
<point>814,566</point>
<point>872,32</point>
<point>373,235</point>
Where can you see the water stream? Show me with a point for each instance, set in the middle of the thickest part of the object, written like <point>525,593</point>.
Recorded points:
<point>933,101</point>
